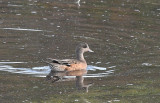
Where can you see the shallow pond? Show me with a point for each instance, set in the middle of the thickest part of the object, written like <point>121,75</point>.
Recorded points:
<point>124,35</point>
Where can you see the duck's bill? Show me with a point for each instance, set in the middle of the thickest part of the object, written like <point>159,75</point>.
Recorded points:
<point>90,50</point>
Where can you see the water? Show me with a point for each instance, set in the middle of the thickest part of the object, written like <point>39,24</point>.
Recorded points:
<point>43,71</point>
<point>124,35</point>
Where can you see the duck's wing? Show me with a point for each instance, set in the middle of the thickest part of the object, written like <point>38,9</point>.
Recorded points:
<point>66,65</point>
<point>66,62</point>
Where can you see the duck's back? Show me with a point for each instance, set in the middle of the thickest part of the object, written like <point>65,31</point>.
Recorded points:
<point>67,65</point>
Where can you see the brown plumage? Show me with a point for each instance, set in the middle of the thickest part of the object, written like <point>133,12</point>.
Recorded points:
<point>71,64</point>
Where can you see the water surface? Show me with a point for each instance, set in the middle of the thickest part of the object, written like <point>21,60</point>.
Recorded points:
<point>124,35</point>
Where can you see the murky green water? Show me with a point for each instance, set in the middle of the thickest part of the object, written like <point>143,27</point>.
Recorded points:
<point>124,34</point>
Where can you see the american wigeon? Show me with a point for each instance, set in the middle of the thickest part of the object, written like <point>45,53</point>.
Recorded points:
<point>71,64</point>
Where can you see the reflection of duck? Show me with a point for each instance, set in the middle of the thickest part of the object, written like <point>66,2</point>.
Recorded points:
<point>55,76</point>
<point>80,85</point>
<point>78,2</point>
<point>71,64</point>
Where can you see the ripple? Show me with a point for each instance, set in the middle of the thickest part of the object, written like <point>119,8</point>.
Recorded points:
<point>13,5</point>
<point>11,62</point>
<point>44,70</point>
<point>22,29</point>
<point>146,64</point>
<point>34,12</point>
<point>85,37</point>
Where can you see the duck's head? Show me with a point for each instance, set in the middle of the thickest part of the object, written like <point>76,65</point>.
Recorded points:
<point>83,47</point>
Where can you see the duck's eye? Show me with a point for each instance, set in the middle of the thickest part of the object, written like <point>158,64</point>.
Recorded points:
<point>84,46</point>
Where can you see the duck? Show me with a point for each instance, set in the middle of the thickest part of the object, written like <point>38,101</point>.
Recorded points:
<point>79,63</point>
